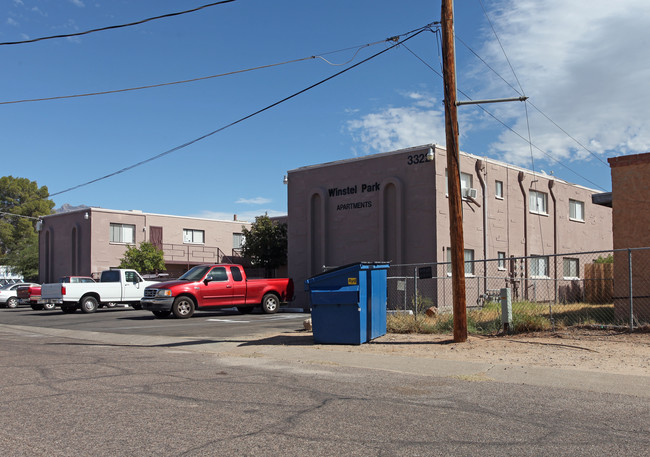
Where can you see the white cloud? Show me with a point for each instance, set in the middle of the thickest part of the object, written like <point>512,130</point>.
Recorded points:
<point>78,3</point>
<point>585,63</point>
<point>400,127</point>
<point>253,201</point>
<point>12,22</point>
<point>18,3</point>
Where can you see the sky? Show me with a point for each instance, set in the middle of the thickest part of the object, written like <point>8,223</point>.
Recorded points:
<point>583,64</point>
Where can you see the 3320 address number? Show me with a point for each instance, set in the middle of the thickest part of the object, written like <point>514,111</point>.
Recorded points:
<point>416,159</point>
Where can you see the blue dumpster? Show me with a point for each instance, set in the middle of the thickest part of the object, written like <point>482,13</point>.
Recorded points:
<point>349,303</point>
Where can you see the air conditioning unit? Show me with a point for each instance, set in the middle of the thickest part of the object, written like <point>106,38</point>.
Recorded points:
<point>469,192</point>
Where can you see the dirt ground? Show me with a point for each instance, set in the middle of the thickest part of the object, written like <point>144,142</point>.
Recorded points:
<point>579,349</point>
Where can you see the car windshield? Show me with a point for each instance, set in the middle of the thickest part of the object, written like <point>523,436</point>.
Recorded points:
<point>195,274</point>
<point>6,286</point>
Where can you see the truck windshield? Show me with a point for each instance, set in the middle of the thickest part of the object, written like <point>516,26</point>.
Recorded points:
<point>195,274</point>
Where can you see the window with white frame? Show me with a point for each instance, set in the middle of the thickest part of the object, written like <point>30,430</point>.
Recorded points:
<point>469,262</point>
<point>571,268</point>
<point>192,236</point>
<point>538,202</point>
<point>501,263</point>
<point>498,189</point>
<point>576,210</point>
<point>466,181</point>
<point>237,240</point>
<point>122,233</point>
<point>539,266</point>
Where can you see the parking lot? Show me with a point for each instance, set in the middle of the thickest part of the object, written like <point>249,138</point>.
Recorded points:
<point>225,323</point>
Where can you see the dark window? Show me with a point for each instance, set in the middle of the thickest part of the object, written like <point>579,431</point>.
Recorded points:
<point>236,273</point>
<point>218,274</point>
<point>110,276</point>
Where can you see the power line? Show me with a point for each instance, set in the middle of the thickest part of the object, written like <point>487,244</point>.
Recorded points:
<point>111,27</point>
<point>507,126</point>
<point>395,40</point>
<point>202,78</point>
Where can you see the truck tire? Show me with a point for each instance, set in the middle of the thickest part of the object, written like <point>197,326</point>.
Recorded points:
<point>161,314</point>
<point>67,309</point>
<point>89,304</point>
<point>137,306</point>
<point>12,302</point>
<point>245,309</point>
<point>49,306</point>
<point>183,307</point>
<point>270,303</point>
<point>36,307</point>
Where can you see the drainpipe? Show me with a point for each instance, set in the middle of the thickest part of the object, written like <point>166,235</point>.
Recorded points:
<point>551,183</point>
<point>521,178</point>
<point>480,170</point>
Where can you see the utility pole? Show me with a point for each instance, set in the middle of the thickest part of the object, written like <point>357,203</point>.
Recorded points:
<point>453,173</point>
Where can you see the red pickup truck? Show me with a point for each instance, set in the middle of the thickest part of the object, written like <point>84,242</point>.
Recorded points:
<point>31,295</point>
<point>213,286</point>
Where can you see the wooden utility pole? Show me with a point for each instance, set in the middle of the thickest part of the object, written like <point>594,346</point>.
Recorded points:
<point>453,173</point>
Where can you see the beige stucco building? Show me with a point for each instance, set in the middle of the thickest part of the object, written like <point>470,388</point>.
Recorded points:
<point>393,207</point>
<point>88,241</point>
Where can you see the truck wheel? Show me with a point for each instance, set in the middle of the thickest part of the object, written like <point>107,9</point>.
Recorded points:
<point>49,306</point>
<point>68,309</point>
<point>12,302</point>
<point>89,305</point>
<point>137,306</point>
<point>37,307</point>
<point>183,307</point>
<point>245,309</point>
<point>270,303</point>
<point>161,314</point>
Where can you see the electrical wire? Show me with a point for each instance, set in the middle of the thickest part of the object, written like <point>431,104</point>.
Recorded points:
<point>507,126</point>
<point>202,78</point>
<point>111,27</point>
<point>19,215</point>
<point>396,41</point>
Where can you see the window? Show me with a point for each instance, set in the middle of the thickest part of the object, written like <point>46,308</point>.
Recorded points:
<point>502,260</point>
<point>469,262</point>
<point>576,210</point>
<point>122,233</point>
<point>571,268</point>
<point>193,236</point>
<point>217,274</point>
<point>498,189</point>
<point>539,266</point>
<point>237,240</point>
<point>538,202</point>
<point>236,274</point>
<point>131,276</point>
<point>466,181</point>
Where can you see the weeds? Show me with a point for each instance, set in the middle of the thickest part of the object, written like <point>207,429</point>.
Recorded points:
<point>526,317</point>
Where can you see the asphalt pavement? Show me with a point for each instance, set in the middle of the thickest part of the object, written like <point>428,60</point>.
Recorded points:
<point>70,391</point>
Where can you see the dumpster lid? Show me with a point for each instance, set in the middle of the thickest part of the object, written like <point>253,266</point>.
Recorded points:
<point>385,264</point>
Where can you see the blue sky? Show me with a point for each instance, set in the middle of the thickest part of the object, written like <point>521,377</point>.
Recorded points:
<point>584,64</point>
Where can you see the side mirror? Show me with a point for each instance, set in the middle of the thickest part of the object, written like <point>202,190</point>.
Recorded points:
<point>206,281</point>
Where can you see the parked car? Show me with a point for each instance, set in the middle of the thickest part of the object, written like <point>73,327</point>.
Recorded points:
<point>31,295</point>
<point>114,286</point>
<point>213,286</point>
<point>9,292</point>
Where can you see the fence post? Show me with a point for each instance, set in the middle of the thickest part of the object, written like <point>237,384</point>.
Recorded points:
<point>415,286</point>
<point>629,272</point>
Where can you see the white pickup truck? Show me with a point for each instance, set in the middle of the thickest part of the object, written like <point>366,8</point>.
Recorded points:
<point>115,286</point>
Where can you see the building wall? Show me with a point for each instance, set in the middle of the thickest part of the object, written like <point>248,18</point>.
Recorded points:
<point>78,242</point>
<point>394,207</point>
<point>631,209</point>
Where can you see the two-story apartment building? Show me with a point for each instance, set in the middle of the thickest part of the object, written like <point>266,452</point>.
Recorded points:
<point>394,207</point>
<point>87,241</point>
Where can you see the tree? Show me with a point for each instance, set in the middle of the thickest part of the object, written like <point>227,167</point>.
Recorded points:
<point>266,244</point>
<point>146,259</point>
<point>22,203</point>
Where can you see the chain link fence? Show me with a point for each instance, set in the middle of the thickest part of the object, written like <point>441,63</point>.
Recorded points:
<point>604,288</point>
